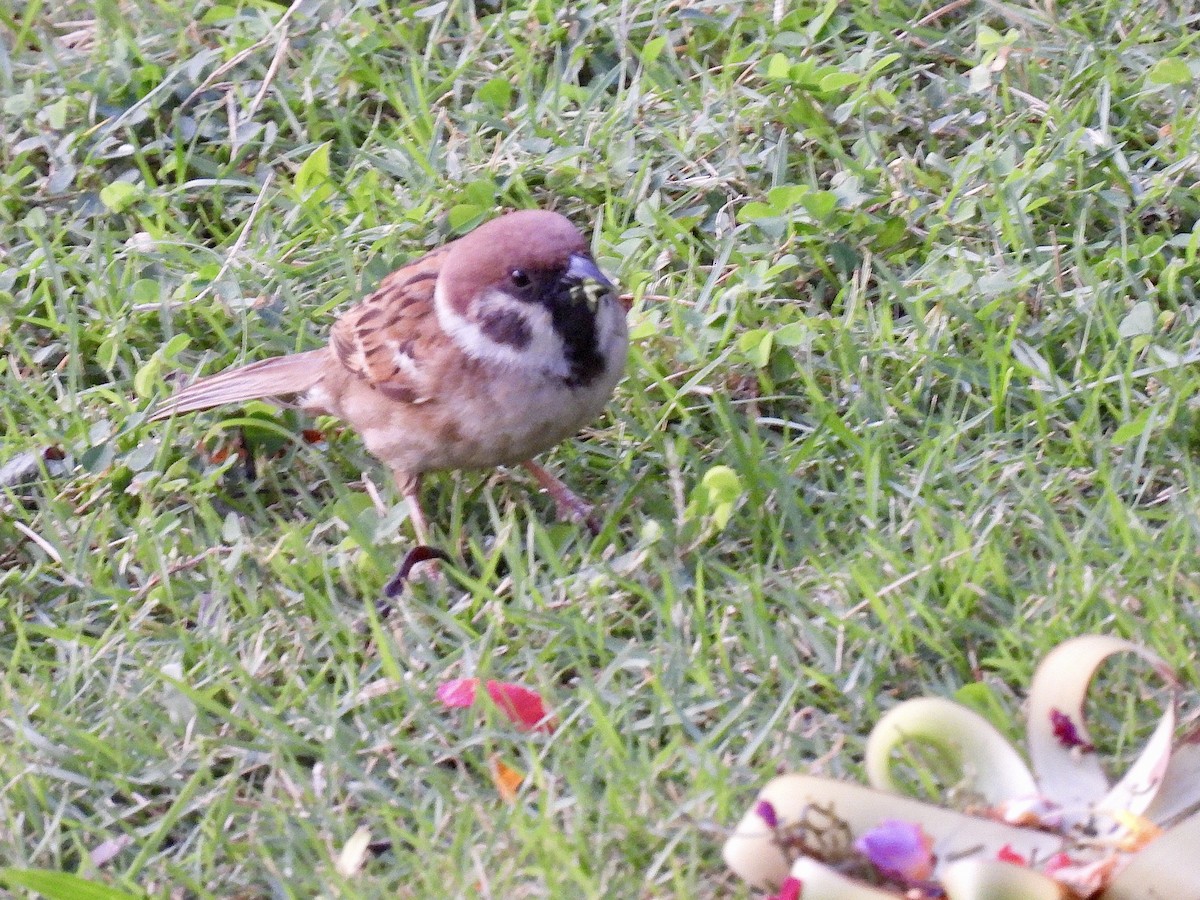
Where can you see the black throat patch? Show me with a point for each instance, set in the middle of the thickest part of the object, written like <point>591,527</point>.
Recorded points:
<point>575,322</point>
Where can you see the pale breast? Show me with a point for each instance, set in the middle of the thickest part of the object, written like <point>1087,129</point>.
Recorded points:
<point>471,413</point>
<point>476,421</point>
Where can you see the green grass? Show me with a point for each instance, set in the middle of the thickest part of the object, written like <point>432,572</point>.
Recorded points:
<point>927,287</point>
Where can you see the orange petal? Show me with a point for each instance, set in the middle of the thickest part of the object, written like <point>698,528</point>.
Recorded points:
<point>506,779</point>
<point>1139,831</point>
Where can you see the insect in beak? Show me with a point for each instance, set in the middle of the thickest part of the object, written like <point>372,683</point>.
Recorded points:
<point>588,284</point>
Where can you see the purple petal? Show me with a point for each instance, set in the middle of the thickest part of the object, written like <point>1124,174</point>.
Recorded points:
<point>766,812</point>
<point>898,849</point>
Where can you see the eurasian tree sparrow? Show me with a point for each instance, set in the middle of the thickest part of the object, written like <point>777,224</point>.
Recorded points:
<point>484,352</point>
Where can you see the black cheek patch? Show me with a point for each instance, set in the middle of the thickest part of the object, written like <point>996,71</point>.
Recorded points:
<point>507,327</point>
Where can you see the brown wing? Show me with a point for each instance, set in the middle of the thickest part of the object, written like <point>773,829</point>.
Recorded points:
<point>385,339</point>
<point>262,380</point>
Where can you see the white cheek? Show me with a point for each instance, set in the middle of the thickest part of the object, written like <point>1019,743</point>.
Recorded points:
<point>544,352</point>
<point>545,348</point>
<point>612,332</point>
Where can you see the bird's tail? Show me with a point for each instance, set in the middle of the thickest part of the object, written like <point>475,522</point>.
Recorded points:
<point>272,377</point>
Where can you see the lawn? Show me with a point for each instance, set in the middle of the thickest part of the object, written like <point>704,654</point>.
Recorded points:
<point>912,397</point>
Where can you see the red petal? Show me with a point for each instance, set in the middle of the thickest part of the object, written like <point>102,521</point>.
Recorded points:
<point>789,890</point>
<point>458,692</point>
<point>523,706</point>
<point>1067,731</point>
<point>1009,855</point>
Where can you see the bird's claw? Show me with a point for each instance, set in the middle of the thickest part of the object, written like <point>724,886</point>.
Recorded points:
<point>419,554</point>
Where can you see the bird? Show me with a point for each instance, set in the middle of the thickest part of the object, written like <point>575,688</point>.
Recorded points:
<point>484,352</point>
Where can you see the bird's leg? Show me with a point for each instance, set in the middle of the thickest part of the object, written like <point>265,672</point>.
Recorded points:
<point>410,487</point>
<point>570,506</point>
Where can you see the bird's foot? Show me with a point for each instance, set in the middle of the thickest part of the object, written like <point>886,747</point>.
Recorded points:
<point>425,556</point>
<point>571,507</point>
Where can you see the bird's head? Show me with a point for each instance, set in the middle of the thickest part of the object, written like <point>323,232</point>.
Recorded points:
<point>523,290</point>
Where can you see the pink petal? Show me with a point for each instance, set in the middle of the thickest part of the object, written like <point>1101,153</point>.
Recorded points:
<point>458,692</point>
<point>523,706</point>
<point>1056,862</point>
<point>1087,879</point>
<point>1032,811</point>
<point>898,849</point>
<point>789,890</point>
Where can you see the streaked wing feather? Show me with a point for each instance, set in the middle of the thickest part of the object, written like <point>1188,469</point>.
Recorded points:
<point>381,340</point>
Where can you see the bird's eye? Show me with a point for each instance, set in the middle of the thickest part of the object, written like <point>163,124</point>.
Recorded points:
<point>519,278</point>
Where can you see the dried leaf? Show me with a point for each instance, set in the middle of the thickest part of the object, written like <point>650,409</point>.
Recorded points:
<point>506,779</point>
<point>378,688</point>
<point>106,851</point>
<point>350,861</point>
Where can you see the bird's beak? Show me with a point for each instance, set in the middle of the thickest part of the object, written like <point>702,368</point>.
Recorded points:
<point>587,282</point>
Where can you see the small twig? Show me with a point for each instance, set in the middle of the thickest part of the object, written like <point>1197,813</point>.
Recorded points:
<point>238,58</point>
<point>243,236</point>
<point>156,579</point>
<point>921,570</point>
<point>231,121</point>
<point>927,568</point>
<point>39,540</point>
<point>941,11</point>
<point>929,20</point>
<point>658,298</point>
<point>280,51</point>
<point>373,493</point>
<point>48,549</point>
<point>675,483</point>
<point>1039,106</point>
<point>1060,283</point>
<point>81,36</point>
<point>1186,360</point>
<point>220,70</point>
